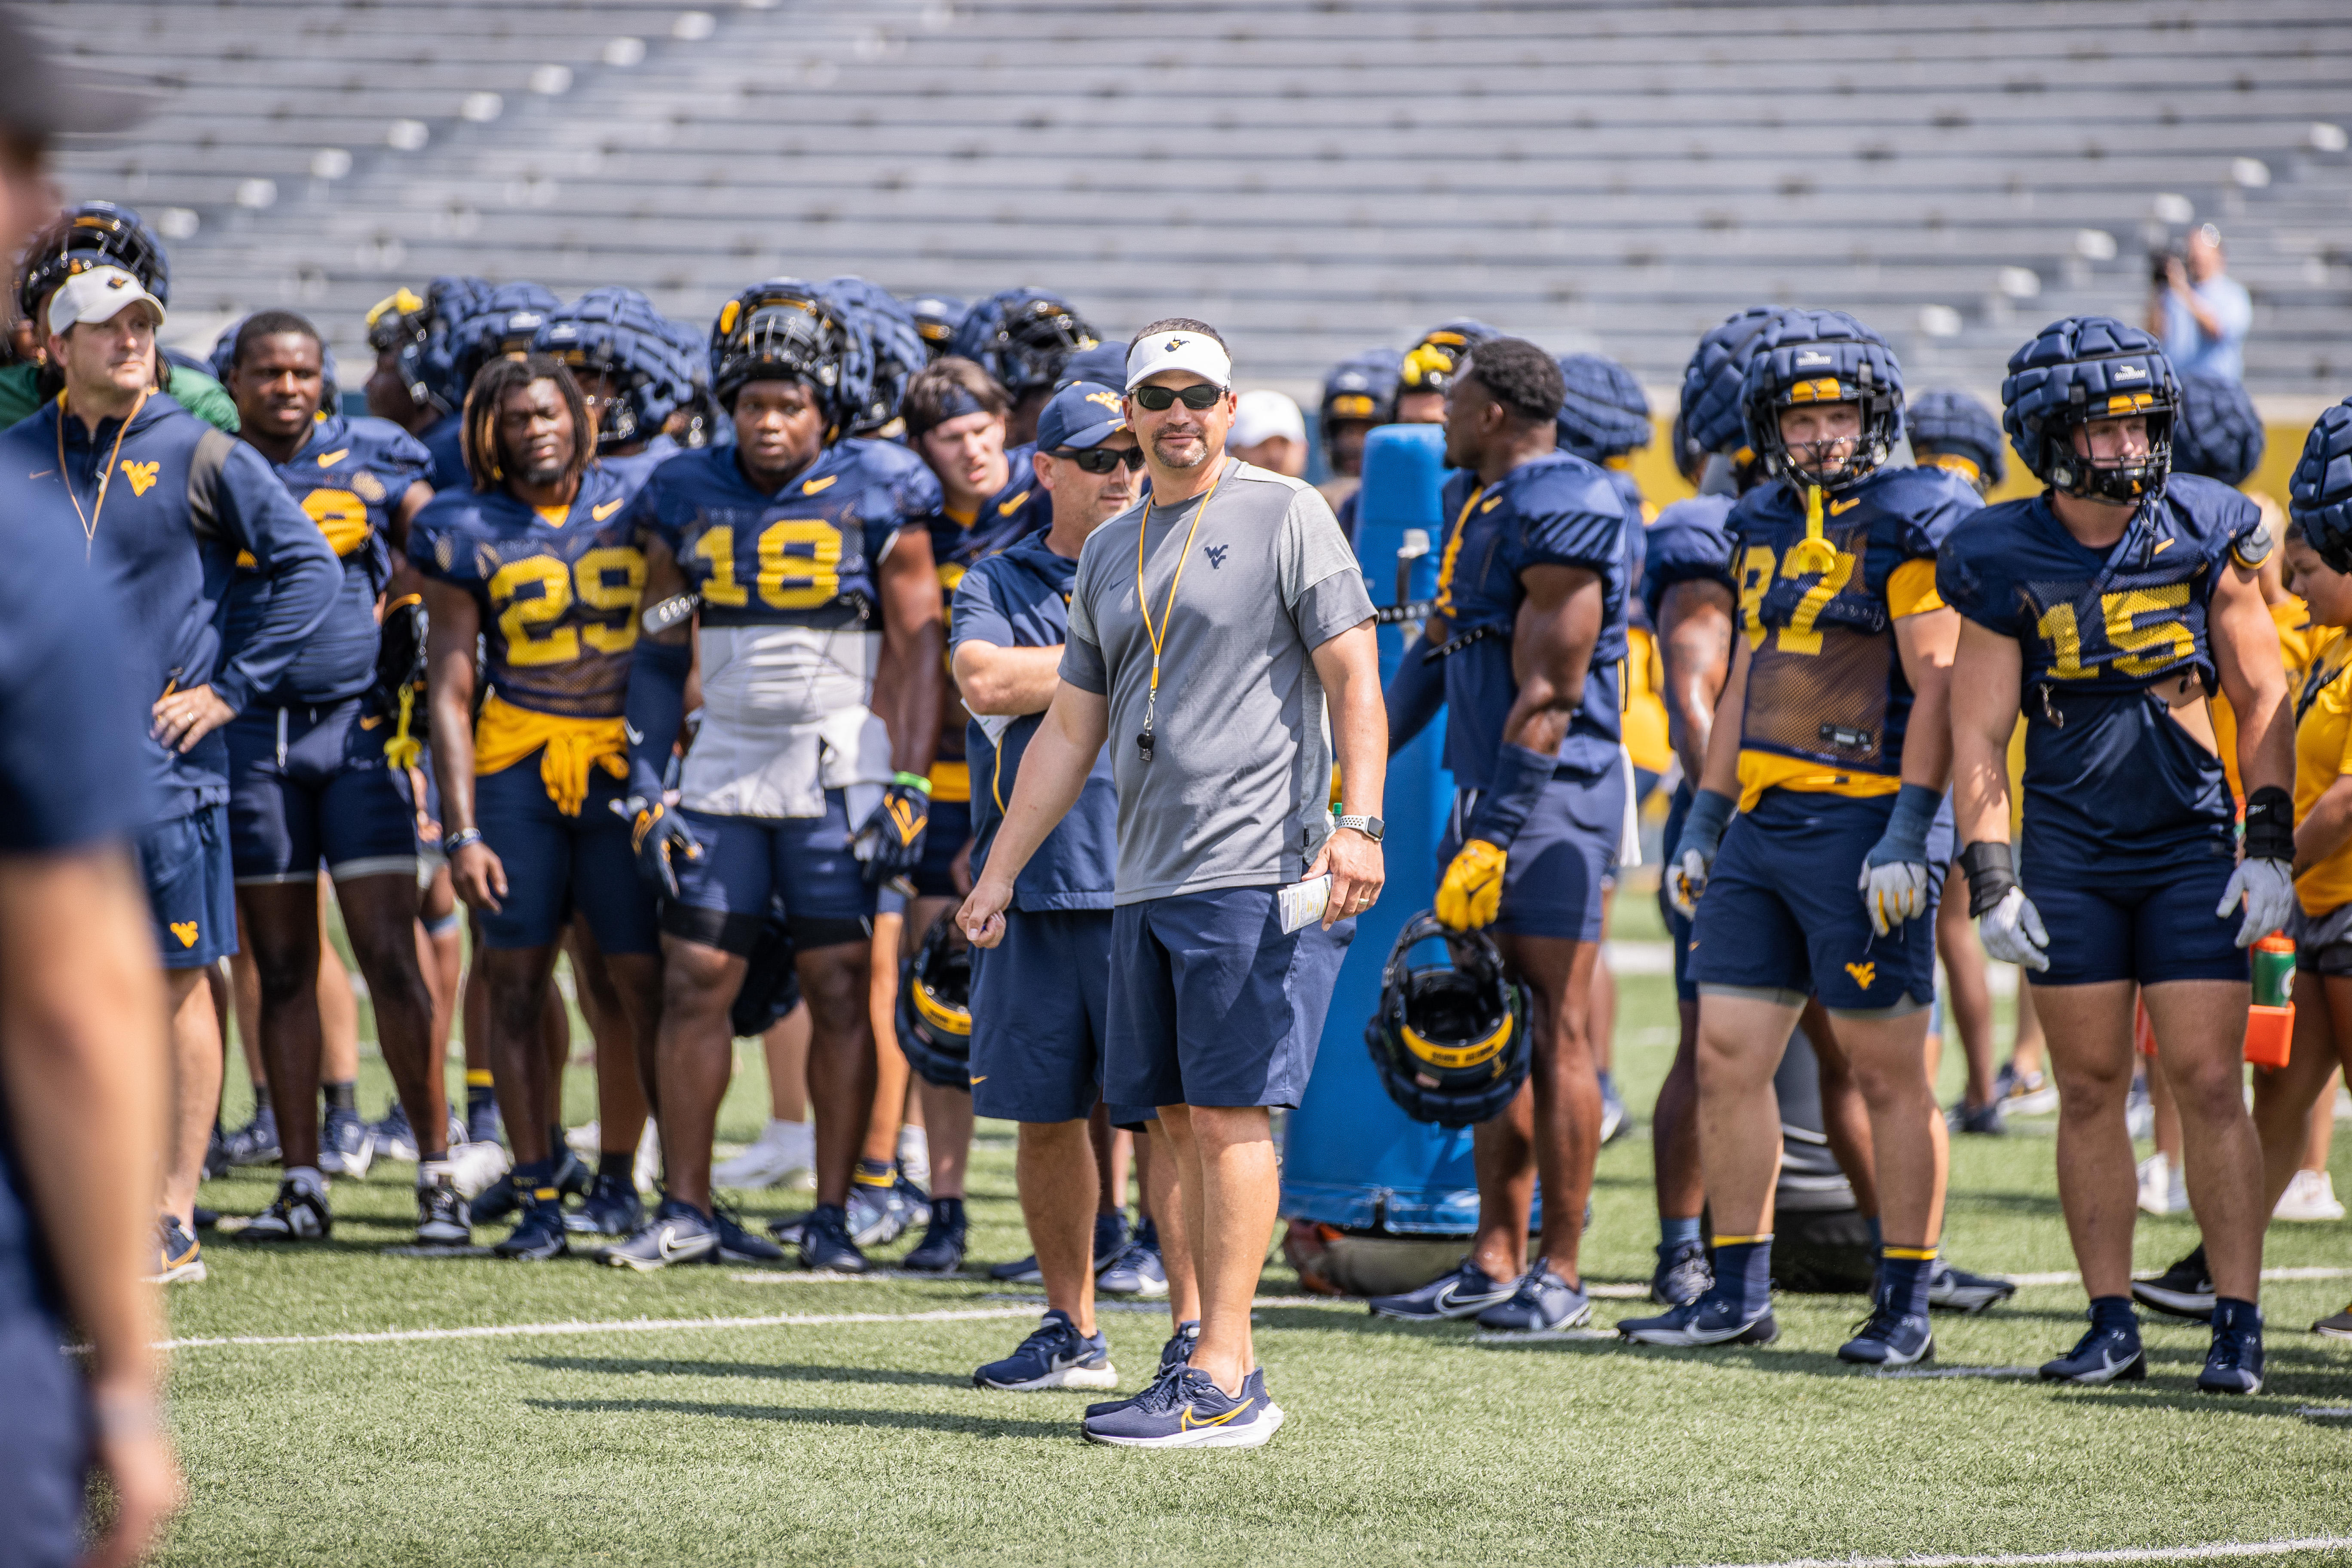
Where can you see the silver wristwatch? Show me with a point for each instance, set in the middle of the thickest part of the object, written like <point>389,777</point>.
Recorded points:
<point>1370,827</point>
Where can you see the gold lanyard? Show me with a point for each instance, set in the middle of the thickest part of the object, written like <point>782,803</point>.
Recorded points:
<point>105,475</point>
<point>1168,612</point>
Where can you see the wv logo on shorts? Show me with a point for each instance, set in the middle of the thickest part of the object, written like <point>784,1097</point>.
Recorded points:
<point>1216,554</point>
<point>186,931</point>
<point>1863,973</point>
<point>140,475</point>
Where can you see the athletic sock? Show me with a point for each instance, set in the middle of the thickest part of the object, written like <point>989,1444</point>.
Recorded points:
<point>342,1094</point>
<point>1743,1271</point>
<point>948,1211</point>
<point>876,1172</point>
<point>260,1097</point>
<point>1608,1082</point>
<point>1147,1233</point>
<point>2230,1312</point>
<point>620,1167</point>
<point>533,1177</point>
<point>2114,1312</point>
<point>433,1170</point>
<point>1674,1233</point>
<point>1902,1276</point>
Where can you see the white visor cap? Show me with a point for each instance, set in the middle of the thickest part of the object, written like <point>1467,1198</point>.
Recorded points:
<point>1195,352</point>
<point>100,294</point>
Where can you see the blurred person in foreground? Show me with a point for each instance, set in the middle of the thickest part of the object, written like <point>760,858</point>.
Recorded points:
<point>2198,311</point>
<point>1270,431</point>
<point>82,1056</point>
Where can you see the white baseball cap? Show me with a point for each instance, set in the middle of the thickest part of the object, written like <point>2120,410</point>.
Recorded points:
<point>99,295</point>
<point>1263,414</point>
<point>1195,352</point>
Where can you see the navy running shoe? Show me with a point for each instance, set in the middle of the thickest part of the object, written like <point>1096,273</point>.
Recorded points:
<point>737,1242</point>
<point>2335,1326</point>
<point>216,1161</point>
<point>1111,1236</point>
<point>1464,1293</point>
<point>179,1257</point>
<point>1541,1303</point>
<point>2103,1355</point>
<point>538,1236</point>
<point>1056,1356</point>
<point>612,1208</point>
<point>1952,1289</point>
<point>2183,1291</point>
<point>786,1228</point>
<point>1710,1320</point>
<point>1890,1337</point>
<point>2235,1364</point>
<point>394,1139</point>
<point>879,1215</point>
<point>940,1250</point>
<point>206,1219</point>
<point>256,1142</point>
<point>1186,1409</point>
<point>1137,1271</point>
<point>677,1233</point>
<point>443,1218</point>
<point>1020,1272</point>
<point>1174,1355</point>
<point>825,1242</point>
<point>296,1214</point>
<point>1683,1274</point>
<point>346,1147</point>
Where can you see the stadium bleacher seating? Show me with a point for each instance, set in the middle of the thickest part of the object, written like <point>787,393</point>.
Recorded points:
<point>1313,176</point>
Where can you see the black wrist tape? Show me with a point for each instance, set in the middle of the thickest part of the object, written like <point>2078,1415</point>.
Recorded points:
<point>1992,872</point>
<point>2269,824</point>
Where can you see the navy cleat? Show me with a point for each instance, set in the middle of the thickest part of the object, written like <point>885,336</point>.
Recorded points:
<point>1710,1320</point>
<point>2103,1355</point>
<point>206,1219</point>
<point>256,1142</point>
<point>613,1208</point>
<point>1056,1356</point>
<point>216,1161</point>
<point>2183,1291</point>
<point>2338,1327</point>
<point>825,1242</point>
<point>393,1137</point>
<point>737,1242</point>
<point>346,1146</point>
<point>539,1235</point>
<point>879,1215</point>
<point>941,1249</point>
<point>1890,1337</point>
<point>1137,1271</point>
<point>1952,1289</point>
<point>1020,1272</point>
<point>1173,1356</point>
<point>1465,1292</point>
<point>677,1233</point>
<point>2235,1364</point>
<point>179,1257</point>
<point>298,1213</point>
<point>1186,1409</point>
<point>443,1218</point>
<point>786,1228</point>
<point>574,1178</point>
<point>1540,1303</point>
<point>1683,1274</point>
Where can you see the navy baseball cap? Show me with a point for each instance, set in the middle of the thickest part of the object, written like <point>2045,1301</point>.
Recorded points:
<point>1082,415</point>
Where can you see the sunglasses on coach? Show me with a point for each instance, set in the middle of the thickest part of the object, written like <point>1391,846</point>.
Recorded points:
<point>1103,460</point>
<point>1158,398</point>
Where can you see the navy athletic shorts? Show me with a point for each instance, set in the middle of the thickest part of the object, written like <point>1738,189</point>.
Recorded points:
<point>311,783</point>
<point>555,864</point>
<point>1562,859</point>
<point>1041,1016</point>
<point>751,867</point>
<point>943,840</point>
<point>1678,928</point>
<point>1783,910</point>
<point>184,862</point>
<point>1212,1004</point>
<point>2148,924</point>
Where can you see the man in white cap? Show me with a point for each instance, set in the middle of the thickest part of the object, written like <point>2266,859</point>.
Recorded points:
<point>1207,625</point>
<point>162,505</point>
<point>1269,431</point>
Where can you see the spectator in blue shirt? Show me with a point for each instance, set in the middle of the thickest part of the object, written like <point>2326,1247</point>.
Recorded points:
<point>2201,312</point>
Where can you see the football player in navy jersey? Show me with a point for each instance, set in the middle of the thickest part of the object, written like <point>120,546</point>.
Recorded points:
<point>2110,608</point>
<point>477,323</point>
<point>536,563</point>
<point>1530,631</point>
<point>1022,338</point>
<point>1838,759</point>
<point>309,782</point>
<point>802,558</point>
<point>616,346</point>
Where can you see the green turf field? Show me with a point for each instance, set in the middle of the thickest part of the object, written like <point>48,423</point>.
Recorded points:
<point>656,1425</point>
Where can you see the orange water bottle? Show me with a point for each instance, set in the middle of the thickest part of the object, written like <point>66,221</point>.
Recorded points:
<point>2270,1021</point>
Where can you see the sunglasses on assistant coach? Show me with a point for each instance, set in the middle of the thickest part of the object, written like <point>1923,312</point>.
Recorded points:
<point>1103,460</point>
<point>1159,399</point>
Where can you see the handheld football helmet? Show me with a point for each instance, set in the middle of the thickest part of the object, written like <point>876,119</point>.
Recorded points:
<point>2319,496</point>
<point>95,234</point>
<point>884,345</point>
<point>772,983</point>
<point>418,334</point>
<point>1429,365</point>
<point>2218,434</point>
<point>1821,356</point>
<point>935,1009</point>
<point>1022,337</point>
<point>1605,413</point>
<point>2083,368</point>
<point>616,334</point>
<point>937,317</point>
<point>1714,379</point>
<point>781,329</point>
<point>501,324</point>
<point>1945,426</point>
<point>1362,387</point>
<point>1450,1041</point>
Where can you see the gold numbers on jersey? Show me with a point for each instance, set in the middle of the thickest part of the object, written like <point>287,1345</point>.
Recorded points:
<point>1756,569</point>
<point>608,580</point>
<point>342,516</point>
<point>2139,649</point>
<point>799,565</point>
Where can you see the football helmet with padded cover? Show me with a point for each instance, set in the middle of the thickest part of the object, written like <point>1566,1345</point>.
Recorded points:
<point>883,344</point>
<point>617,334</point>
<point>418,333</point>
<point>1605,413</point>
<point>2217,433</point>
<point>1821,356</point>
<point>1429,364</point>
<point>1714,377</point>
<point>1450,1041</point>
<point>1022,337</point>
<point>94,234</point>
<point>704,422</point>
<point>2319,501</point>
<point>1361,387</point>
<point>2081,369</point>
<point>935,1009</point>
<point>501,323</point>
<point>781,329</point>
<point>937,317</point>
<point>1948,424</point>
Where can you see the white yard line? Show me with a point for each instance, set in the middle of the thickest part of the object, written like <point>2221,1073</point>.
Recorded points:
<point>2270,1274</point>
<point>2210,1552</point>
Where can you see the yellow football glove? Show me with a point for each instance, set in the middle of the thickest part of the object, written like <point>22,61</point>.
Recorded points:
<point>1471,891</point>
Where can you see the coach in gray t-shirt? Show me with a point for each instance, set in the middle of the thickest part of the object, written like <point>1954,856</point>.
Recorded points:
<point>1211,627</point>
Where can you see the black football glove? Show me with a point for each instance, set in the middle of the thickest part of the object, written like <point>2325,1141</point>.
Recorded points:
<point>657,833</point>
<point>890,841</point>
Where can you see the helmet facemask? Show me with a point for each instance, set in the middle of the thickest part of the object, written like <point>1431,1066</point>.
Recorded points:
<point>2123,482</point>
